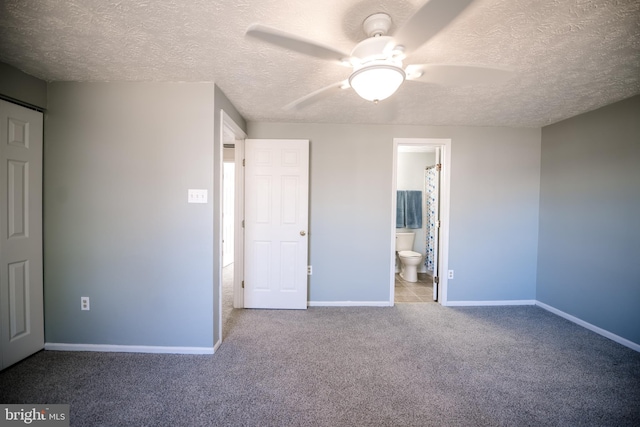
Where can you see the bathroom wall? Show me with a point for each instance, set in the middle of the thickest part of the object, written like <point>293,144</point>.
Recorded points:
<point>410,176</point>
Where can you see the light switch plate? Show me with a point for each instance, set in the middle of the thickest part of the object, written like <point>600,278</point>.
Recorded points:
<point>197,196</point>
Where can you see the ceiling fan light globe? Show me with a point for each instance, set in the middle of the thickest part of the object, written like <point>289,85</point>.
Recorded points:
<point>377,82</point>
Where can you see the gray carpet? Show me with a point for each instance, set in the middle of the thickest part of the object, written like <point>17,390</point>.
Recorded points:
<point>410,365</point>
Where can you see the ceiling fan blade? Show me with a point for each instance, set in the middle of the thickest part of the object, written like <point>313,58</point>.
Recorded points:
<point>317,95</point>
<point>296,43</point>
<point>458,75</point>
<point>427,21</point>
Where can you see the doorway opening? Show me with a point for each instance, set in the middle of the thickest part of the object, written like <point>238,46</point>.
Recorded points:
<point>228,226</point>
<point>420,220</point>
<point>228,229</point>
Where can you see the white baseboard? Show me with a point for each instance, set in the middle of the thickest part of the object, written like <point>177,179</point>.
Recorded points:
<point>489,303</point>
<point>625,342</point>
<point>349,304</point>
<point>127,348</point>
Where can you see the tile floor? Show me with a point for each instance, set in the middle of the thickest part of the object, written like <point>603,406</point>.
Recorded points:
<point>420,291</point>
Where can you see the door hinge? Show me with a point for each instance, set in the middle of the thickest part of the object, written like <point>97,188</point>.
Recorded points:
<point>243,223</point>
<point>438,224</point>
<point>436,280</point>
<point>243,284</point>
<point>439,167</point>
<point>243,160</point>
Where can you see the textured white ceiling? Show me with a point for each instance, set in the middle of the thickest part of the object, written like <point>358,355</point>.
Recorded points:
<point>570,56</point>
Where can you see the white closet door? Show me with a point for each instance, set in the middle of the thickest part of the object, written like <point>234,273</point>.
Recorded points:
<point>21,294</point>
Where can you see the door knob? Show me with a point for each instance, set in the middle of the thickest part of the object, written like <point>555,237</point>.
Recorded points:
<point>302,233</point>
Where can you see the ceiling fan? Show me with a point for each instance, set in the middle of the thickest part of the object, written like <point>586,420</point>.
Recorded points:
<point>377,61</point>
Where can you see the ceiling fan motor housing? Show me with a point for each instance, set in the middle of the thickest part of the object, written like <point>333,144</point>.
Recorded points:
<point>377,24</point>
<point>374,49</point>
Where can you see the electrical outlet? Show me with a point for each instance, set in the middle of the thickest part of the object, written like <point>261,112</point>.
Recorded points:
<point>84,303</point>
<point>450,276</point>
<point>309,270</point>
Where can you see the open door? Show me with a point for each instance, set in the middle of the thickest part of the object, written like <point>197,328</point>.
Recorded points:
<point>276,223</point>
<point>21,293</point>
<point>432,191</point>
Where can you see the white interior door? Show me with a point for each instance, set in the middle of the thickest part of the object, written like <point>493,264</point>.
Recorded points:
<point>276,223</point>
<point>21,296</point>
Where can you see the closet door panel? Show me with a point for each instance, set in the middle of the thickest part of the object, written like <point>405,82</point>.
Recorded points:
<point>21,293</point>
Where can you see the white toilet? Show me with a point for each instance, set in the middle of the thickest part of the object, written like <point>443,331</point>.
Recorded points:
<point>409,260</point>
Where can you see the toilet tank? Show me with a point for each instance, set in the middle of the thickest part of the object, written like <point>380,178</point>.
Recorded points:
<point>404,241</point>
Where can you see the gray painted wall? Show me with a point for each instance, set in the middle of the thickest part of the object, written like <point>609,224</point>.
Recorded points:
<point>495,175</point>
<point>119,158</point>
<point>223,103</point>
<point>19,86</point>
<point>589,245</point>
<point>411,168</point>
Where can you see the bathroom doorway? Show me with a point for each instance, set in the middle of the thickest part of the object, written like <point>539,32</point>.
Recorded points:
<point>420,201</point>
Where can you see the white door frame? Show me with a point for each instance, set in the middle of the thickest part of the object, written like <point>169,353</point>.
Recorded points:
<point>238,235</point>
<point>227,126</point>
<point>445,179</point>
